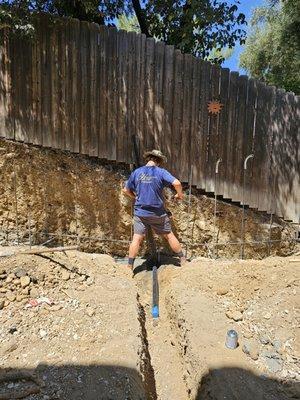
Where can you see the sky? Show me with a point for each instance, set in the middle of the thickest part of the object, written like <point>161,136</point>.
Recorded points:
<point>246,7</point>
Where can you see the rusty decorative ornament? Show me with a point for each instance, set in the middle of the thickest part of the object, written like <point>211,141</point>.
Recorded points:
<point>214,107</point>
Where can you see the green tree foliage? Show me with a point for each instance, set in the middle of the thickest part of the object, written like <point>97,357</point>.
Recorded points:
<point>194,26</point>
<point>129,23</point>
<point>272,50</point>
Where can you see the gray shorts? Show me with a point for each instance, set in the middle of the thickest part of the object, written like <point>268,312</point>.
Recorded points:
<point>160,224</point>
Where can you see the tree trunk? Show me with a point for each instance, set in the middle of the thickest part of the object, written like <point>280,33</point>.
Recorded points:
<point>141,17</point>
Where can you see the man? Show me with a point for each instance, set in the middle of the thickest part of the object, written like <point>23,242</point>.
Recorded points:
<point>145,185</point>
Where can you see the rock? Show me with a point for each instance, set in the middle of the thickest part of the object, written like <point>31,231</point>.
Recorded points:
<point>12,330</point>
<point>10,296</point>
<point>235,315</point>
<point>248,335</point>
<point>267,315</point>
<point>20,297</point>
<point>3,290</point>
<point>264,339</point>
<point>34,292</point>
<point>25,281</point>
<point>278,346</point>
<point>90,312</point>
<point>43,333</point>
<point>1,304</point>
<point>65,275</point>
<point>16,282</point>
<point>90,281</point>
<point>55,307</point>
<point>251,348</point>
<point>25,291</point>
<point>221,291</point>
<point>274,365</point>
<point>20,272</point>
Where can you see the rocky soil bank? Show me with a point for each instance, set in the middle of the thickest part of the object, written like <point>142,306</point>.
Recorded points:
<point>45,192</point>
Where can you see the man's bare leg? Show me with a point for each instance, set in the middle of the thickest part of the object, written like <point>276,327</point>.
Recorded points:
<point>134,249</point>
<point>175,246</point>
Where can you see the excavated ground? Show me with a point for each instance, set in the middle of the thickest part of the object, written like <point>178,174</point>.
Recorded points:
<point>97,340</point>
<point>55,192</point>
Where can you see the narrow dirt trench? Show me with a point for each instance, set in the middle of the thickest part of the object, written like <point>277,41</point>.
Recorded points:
<point>163,351</point>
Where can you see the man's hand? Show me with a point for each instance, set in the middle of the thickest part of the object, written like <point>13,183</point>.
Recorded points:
<point>179,196</point>
<point>178,187</point>
<point>129,193</point>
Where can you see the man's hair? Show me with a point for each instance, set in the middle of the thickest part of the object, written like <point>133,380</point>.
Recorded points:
<point>157,160</point>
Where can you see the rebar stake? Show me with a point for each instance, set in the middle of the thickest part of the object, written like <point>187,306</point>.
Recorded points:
<point>189,204</point>
<point>16,205</point>
<point>243,203</point>
<point>215,210</point>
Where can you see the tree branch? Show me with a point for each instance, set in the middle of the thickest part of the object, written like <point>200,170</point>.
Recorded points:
<point>141,17</point>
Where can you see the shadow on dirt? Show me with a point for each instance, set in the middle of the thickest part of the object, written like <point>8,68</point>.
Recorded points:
<point>240,384</point>
<point>74,382</point>
<point>113,382</point>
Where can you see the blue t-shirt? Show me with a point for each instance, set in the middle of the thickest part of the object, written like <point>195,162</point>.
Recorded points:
<point>147,183</point>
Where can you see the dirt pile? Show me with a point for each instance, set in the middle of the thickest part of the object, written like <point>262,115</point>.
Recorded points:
<point>69,329</point>
<point>79,326</point>
<point>258,299</point>
<point>45,193</point>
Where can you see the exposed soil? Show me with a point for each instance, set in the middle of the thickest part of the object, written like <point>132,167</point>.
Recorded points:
<point>59,193</point>
<point>97,340</point>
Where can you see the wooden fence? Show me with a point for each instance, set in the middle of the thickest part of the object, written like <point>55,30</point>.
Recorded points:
<point>88,89</point>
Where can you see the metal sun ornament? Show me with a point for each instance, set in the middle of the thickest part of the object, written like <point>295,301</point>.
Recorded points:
<point>214,107</point>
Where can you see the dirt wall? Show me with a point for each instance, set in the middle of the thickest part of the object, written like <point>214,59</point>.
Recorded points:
<point>52,192</point>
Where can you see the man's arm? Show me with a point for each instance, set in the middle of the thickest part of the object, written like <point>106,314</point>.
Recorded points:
<point>128,193</point>
<point>178,187</point>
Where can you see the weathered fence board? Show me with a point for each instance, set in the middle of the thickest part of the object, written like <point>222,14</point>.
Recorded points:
<point>223,129</point>
<point>89,89</point>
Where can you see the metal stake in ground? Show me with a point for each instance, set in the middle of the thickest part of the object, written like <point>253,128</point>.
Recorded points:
<point>189,203</point>
<point>243,203</point>
<point>215,211</point>
<point>16,205</point>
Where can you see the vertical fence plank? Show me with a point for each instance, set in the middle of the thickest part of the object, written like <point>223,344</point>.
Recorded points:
<point>158,93</point>
<point>85,86</point>
<point>7,123</point>
<point>122,94</point>
<point>112,96</point>
<point>228,179</point>
<point>62,83</point>
<point>45,57</point>
<point>204,118</point>
<point>94,104</point>
<point>36,89</point>
<point>103,92</point>
<point>177,112</point>
<point>185,144</point>
<point>239,155</point>
<point>168,88</point>
<point>140,95</point>
<point>149,94</point>
<point>212,138</point>
<point>248,136</point>
<point>195,128</point>
<point>223,129</point>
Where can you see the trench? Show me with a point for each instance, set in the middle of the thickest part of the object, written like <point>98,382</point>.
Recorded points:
<point>145,357</point>
<point>162,361</point>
